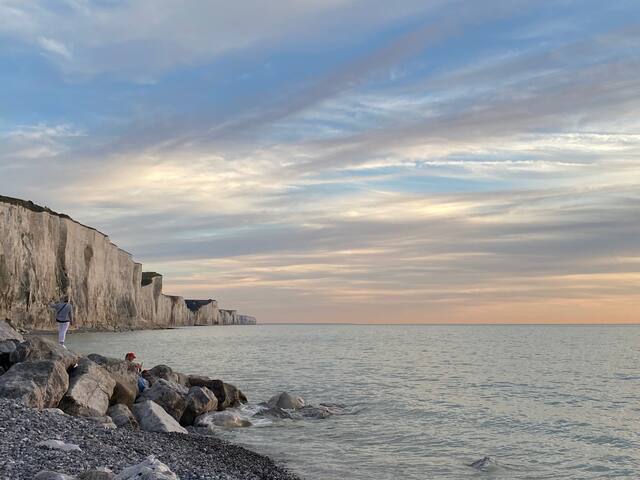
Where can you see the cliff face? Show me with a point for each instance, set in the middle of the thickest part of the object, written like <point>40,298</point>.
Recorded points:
<point>44,255</point>
<point>246,320</point>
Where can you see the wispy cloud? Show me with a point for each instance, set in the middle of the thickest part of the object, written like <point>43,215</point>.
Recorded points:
<point>55,47</point>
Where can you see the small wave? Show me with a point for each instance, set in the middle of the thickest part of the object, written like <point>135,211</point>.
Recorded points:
<point>261,422</point>
<point>341,409</point>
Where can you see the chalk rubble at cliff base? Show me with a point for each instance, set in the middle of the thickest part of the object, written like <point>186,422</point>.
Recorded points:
<point>58,408</point>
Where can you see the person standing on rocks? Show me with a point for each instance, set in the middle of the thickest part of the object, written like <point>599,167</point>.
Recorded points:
<point>64,317</point>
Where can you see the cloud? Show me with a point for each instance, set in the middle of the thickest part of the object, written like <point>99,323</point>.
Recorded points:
<point>508,250</point>
<point>55,47</point>
<point>39,141</point>
<point>492,177</point>
<point>144,38</point>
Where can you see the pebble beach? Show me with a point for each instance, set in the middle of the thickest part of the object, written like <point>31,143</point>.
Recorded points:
<point>190,457</point>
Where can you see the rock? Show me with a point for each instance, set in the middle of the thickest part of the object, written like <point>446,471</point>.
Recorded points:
<point>150,469</point>
<point>198,381</point>
<point>221,419</point>
<point>233,396</point>
<point>104,421</point>
<point>153,418</point>
<point>228,395</point>
<point>59,445</point>
<point>7,332</point>
<point>486,464</point>
<point>122,416</point>
<point>38,384</point>
<point>38,348</point>
<point>90,390</point>
<point>53,411</point>
<point>286,401</point>
<point>273,412</point>
<point>162,371</point>
<point>309,411</point>
<point>97,474</point>
<point>49,475</point>
<point>216,386</point>
<point>170,396</point>
<point>324,410</point>
<point>167,373</point>
<point>7,347</point>
<point>126,389</point>
<point>182,379</point>
<point>199,400</point>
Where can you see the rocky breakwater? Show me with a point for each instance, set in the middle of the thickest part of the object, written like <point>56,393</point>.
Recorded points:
<point>92,404</point>
<point>45,254</point>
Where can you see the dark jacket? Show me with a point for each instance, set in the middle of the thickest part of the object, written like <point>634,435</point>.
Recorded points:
<point>64,311</point>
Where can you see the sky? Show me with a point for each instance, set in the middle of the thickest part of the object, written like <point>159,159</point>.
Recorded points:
<point>358,161</point>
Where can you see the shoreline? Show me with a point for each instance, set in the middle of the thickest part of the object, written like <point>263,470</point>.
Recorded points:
<point>51,394</point>
<point>54,330</point>
<point>191,456</point>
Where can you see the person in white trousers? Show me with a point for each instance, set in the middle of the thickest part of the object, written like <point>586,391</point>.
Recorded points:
<point>64,317</point>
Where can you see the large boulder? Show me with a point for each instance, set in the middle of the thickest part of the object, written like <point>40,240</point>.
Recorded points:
<point>166,373</point>
<point>226,419</point>
<point>7,332</point>
<point>199,400</point>
<point>153,418</point>
<point>38,348</point>
<point>170,396</point>
<point>233,396</point>
<point>227,394</point>
<point>150,469</point>
<point>126,389</point>
<point>122,416</point>
<point>38,384</point>
<point>286,401</point>
<point>216,386</point>
<point>90,390</point>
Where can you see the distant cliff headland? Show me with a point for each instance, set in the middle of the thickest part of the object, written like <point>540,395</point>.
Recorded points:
<point>44,254</point>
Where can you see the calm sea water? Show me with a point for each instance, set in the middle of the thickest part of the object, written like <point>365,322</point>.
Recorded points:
<point>544,402</point>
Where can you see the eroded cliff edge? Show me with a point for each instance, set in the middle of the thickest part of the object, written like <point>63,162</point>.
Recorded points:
<point>44,254</point>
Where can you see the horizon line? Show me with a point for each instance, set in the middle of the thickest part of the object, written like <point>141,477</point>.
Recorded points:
<point>456,324</point>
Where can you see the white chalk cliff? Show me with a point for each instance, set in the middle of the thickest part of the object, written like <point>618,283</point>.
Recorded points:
<point>44,255</point>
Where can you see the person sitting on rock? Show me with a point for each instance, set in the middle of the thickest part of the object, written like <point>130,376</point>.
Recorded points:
<point>137,367</point>
<point>64,317</point>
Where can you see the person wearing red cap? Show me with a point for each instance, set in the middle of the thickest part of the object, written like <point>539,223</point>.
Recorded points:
<point>130,357</point>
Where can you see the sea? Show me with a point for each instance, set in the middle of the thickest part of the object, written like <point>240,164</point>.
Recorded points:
<point>421,401</point>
